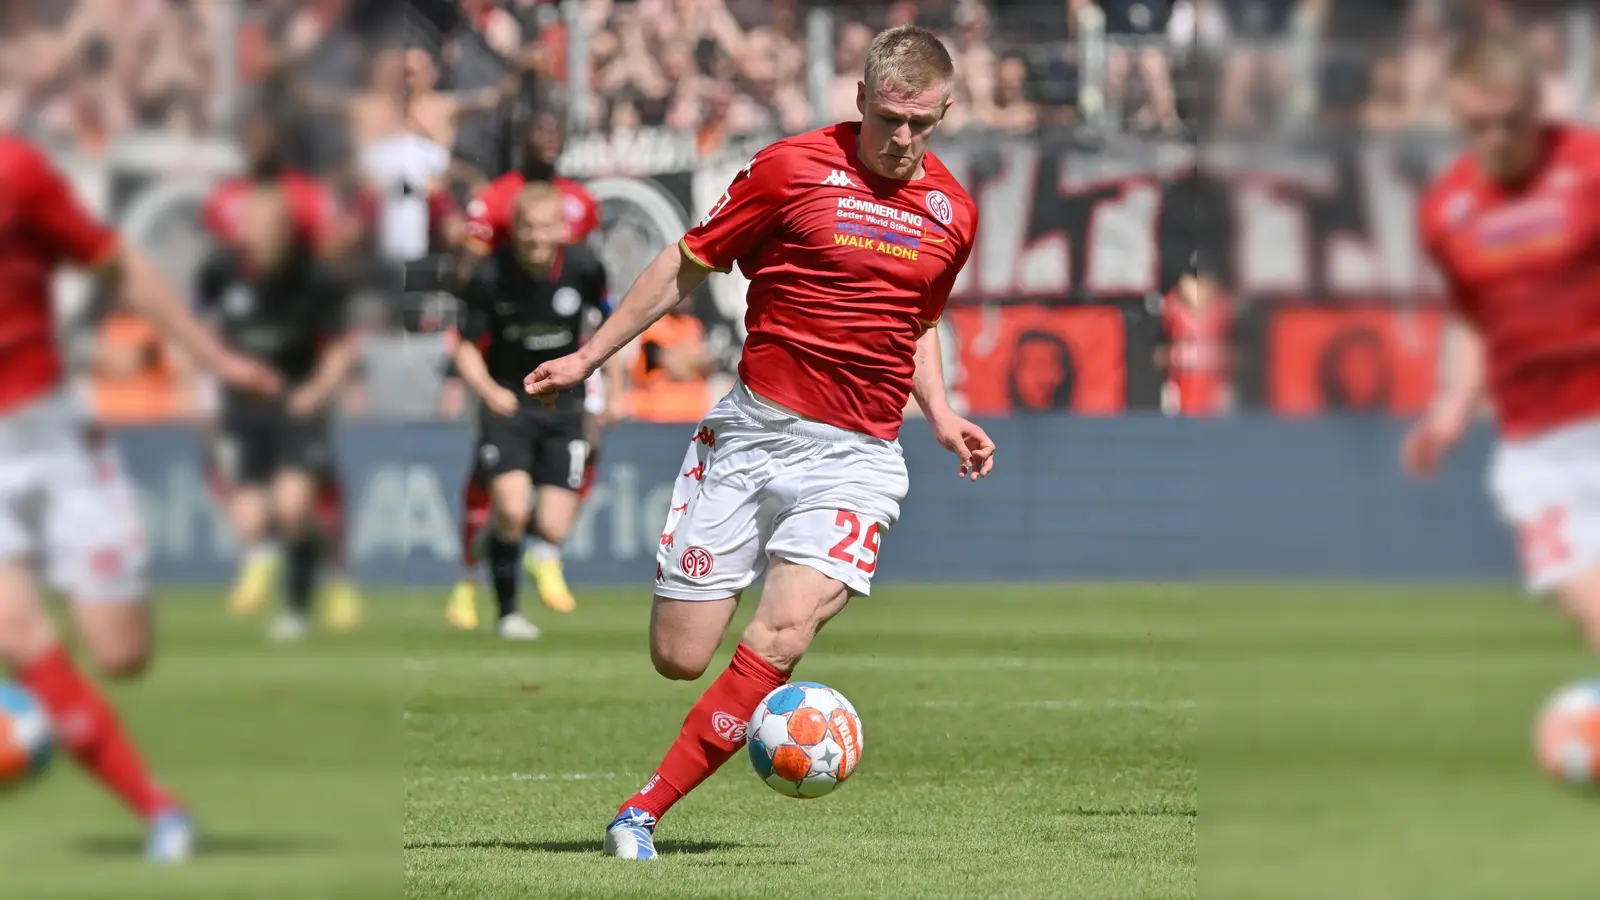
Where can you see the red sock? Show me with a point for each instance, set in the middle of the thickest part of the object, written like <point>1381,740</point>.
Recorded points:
<point>712,733</point>
<point>89,730</point>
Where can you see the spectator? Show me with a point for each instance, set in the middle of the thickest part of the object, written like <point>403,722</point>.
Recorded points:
<point>1545,41</point>
<point>1255,70</point>
<point>849,57</point>
<point>1133,25</point>
<point>668,377</point>
<point>1386,107</point>
<point>1012,111</point>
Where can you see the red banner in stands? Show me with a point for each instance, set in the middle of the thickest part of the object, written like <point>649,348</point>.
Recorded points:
<point>1039,358</point>
<point>1353,360</point>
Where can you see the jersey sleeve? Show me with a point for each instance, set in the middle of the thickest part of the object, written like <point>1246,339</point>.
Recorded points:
<point>487,218</point>
<point>213,214</point>
<point>939,296</point>
<point>738,222</point>
<point>314,210</point>
<point>56,216</point>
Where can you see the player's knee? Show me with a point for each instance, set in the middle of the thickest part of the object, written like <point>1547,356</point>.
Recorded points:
<point>678,664</point>
<point>25,632</point>
<point>511,520</point>
<point>781,644</point>
<point>123,663</point>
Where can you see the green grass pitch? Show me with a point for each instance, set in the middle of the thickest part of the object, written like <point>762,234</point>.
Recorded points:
<point>1049,741</point>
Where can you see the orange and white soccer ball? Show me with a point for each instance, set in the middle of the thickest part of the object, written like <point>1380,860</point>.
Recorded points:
<point>805,740</point>
<point>26,740</point>
<point>1568,734</point>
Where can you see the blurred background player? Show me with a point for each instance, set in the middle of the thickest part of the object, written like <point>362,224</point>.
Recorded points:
<point>67,515</point>
<point>1193,348</point>
<point>527,302</point>
<point>274,299</point>
<point>1514,226</point>
<point>313,225</point>
<point>488,227</point>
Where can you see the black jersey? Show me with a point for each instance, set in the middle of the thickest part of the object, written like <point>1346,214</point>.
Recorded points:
<point>520,319</point>
<point>284,318</point>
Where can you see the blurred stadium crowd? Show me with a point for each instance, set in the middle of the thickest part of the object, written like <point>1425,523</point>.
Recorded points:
<point>429,95</point>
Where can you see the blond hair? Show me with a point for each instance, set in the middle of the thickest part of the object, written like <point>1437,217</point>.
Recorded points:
<point>910,59</point>
<point>1495,59</point>
<point>535,193</point>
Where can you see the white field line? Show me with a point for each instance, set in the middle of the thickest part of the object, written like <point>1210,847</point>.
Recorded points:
<point>1065,705</point>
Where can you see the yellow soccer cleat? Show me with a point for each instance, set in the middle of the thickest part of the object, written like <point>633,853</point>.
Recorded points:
<point>341,605</point>
<point>462,610</point>
<point>257,574</point>
<point>551,581</point>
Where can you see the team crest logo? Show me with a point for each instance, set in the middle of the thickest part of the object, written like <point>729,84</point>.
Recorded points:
<point>939,206</point>
<point>696,563</point>
<point>489,454</point>
<point>239,301</point>
<point>728,727</point>
<point>566,301</point>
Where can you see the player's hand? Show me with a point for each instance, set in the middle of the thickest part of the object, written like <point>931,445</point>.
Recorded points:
<point>557,375</point>
<point>1428,443</point>
<point>503,402</point>
<point>248,375</point>
<point>968,442</point>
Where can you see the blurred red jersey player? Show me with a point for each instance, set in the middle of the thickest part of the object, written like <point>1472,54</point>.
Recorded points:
<point>315,222</point>
<point>852,237</point>
<point>1195,321</point>
<point>68,519</point>
<point>492,213</point>
<point>1514,228</point>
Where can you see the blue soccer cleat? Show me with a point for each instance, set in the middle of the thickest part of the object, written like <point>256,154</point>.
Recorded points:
<point>171,838</point>
<point>631,835</point>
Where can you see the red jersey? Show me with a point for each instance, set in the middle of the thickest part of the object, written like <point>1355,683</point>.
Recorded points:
<point>1198,351</point>
<point>847,270</point>
<point>42,225</point>
<point>311,208</point>
<point>1523,268</point>
<point>490,214</point>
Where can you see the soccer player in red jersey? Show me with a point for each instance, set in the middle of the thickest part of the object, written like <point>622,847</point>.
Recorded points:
<point>1514,228</point>
<point>67,514</point>
<point>314,222</point>
<point>852,237</point>
<point>491,220</point>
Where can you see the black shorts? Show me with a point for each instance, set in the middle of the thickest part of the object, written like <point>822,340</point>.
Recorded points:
<point>254,445</point>
<point>548,444</point>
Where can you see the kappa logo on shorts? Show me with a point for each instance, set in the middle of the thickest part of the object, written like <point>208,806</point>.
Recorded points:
<point>696,563</point>
<point>683,508</point>
<point>939,205</point>
<point>660,575</point>
<point>728,727</point>
<point>705,436</point>
<point>666,540</point>
<point>698,473</point>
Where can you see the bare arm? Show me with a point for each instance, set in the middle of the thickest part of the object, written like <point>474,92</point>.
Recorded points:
<point>333,370</point>
<point>663,284</point>
<point>474,372</point>
<point>927,382</point>
<point>1466,375</point>
<point>147,293</point>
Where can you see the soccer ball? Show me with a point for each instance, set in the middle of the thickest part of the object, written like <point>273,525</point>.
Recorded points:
<point>805,740</point>
<point>26,739</point>
<point>1568,735</point>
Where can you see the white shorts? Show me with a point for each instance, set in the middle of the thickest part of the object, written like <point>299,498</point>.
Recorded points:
<point>594,394</point>
<point>1547,489</point>
<point>758,483</point>
<point>66,508</point>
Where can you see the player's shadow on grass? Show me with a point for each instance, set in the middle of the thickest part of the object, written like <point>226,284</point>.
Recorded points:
<point>212,845</point>
<point>665,848</point>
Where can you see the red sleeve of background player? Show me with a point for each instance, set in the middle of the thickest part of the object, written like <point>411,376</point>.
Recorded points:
<point>314,210</point>
<point>58,219</point>
<point>743,217</point>
<point>214,214</point>
<point>590,223</point>
<point>489,216</point>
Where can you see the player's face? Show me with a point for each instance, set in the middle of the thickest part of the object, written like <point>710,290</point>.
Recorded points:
<point>541,230</point>
<point>1501,123</point>
<point>545,139</point>
<point>896,126</point>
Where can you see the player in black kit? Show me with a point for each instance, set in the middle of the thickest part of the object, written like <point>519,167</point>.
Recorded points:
<point>272,299</point>
<point>526,303</point>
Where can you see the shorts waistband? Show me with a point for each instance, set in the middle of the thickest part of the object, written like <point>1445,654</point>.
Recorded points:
<point>777,420</point>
